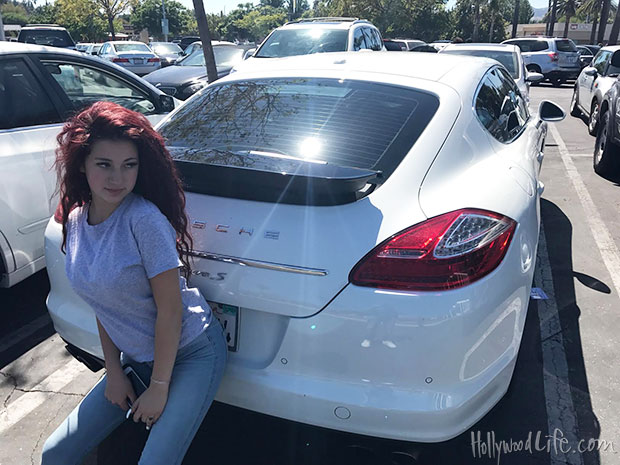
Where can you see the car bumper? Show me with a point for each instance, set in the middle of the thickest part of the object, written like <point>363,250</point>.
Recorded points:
<point>398,365</point>
<point>141,70</point>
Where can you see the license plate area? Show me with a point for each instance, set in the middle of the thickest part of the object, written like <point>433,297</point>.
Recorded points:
<point>229,317</point>
<point>138,61</point>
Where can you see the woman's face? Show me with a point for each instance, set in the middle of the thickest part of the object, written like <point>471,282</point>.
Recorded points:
<point>111,169</point>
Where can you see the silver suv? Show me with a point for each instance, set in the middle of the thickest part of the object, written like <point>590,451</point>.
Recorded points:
<point>556,59</point>
<point>316,35</point>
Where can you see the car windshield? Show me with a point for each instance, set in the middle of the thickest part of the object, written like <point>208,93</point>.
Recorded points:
<point>131,48</point>
<point>166,48</point>
<point>508,59</point>
<point>253,124</point>
<point>224,56</point>
<point>55,38</point>
<point>289,42</point>
<point>566,46</point>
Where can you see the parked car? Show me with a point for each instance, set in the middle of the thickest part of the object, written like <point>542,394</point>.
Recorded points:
<point>406,44</point>
<point>508,55</point>
<point>586,53</point>
<point>606,158</point>
<point>39,88</point>
<point>439,44</point>
<point>340,247</point>
<point>93,49</point>
<point>82,46</point>
<point>51,35</point>
<point>187,40</point>
<point>189,75</point>
<point>191,48</point>
<point>424,48</point>
<point>317,35</point>
<point>592,84</point>
<point>556,59</point>
<point>136,57</point>
<point>167,52</point>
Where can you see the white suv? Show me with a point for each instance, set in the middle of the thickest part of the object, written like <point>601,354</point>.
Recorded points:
<point>316,35</point>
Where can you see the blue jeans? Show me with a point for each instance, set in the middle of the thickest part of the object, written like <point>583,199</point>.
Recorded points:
<point>198,370</point>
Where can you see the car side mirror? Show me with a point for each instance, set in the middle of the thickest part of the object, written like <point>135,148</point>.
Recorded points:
<point>249,53</point>
<point>549,111</point>
<point>166,102</point>
<point>534,77</point>
<point>590,71</point>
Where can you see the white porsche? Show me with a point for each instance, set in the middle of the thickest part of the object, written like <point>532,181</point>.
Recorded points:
<point>366,227</point>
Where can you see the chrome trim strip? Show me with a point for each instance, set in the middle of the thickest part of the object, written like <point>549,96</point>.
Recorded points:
<point>258,264</point>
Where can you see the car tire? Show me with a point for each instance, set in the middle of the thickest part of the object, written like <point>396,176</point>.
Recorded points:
<point>606,152</point>
<point>574,104</point>
<point>557,82</point>
<point>593,118</point>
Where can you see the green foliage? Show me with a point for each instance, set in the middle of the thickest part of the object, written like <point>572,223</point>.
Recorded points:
<point>14,14</point>
<point>259,22</point>
<point>44,14</point>
<point>82,19</point>
<point>148,15</point>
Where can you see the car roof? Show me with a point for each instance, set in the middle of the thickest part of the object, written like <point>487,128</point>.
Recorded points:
<point>44,26</point>
<point>428,66</point>
<point>124,42</point>
<point>20,47</point>
<point>490,47</point>
<point>325,23</point>
<point>611,48</point>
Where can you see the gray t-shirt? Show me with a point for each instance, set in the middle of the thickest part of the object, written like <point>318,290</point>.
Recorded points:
<point>109,266</point>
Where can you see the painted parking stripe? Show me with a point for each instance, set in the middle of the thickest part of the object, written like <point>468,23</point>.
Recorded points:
<point>602,237</point>
<point>37,395</point>
<point>558,399</point>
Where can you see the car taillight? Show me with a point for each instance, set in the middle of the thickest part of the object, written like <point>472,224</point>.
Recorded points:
<point>120,60</point>
<point>153,60</point>
<point>553,56</point>
<point>444,252</point>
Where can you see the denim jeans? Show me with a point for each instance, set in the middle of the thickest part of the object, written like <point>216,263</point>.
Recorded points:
<point>198,370</point>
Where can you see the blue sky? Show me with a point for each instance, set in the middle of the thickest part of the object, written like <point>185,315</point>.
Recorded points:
<point>215,6</point>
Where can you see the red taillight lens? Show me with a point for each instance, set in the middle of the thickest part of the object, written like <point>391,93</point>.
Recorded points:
<point>445,252</point>
<point>120,60</point>
<point>553,56</point>
<point>153,60</point>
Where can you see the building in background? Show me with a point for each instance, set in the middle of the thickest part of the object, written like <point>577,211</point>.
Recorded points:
<point>578,32</point>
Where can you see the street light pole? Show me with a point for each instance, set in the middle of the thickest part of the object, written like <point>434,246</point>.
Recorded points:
<point>1,28</point>
<point>164,21</point>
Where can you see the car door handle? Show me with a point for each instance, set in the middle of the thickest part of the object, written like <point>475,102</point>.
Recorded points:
<point>541,188</point>
<point>540,156</point>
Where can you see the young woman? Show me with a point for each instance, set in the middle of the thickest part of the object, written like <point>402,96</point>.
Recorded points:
<point>125,237</point>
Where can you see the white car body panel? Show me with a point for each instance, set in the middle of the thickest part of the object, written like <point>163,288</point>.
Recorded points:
<point>319,350</point>
<point>594,87</point>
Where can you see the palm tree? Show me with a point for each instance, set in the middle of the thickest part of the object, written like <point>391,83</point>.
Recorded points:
<point>554,13</point>
<point>476,20</point>
<point>568,8</point>
<point>515,20</point>
<point>613,35</point>
<point>603,23</point>
<point>493,11</point>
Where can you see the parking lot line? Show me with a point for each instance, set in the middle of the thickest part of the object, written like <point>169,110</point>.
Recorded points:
<point>602,237</point>
<point>38,394</point>
<point>558,398</point>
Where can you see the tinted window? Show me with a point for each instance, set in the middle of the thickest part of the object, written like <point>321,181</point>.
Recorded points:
<point>131,48</point>
<point>565,46</point>
<point>395,46</point>
<point>22,100</point>
<point>51,37</point>
<point>500,107</point>
<point>289,42</point>
<point>600,61</point>
<point>268,124</point>
<point>508,59</point>
<point>224,56</point>
<point>359,42</point>
<point>373,41</point>
<point>530,45</point>
<point>85,86</point>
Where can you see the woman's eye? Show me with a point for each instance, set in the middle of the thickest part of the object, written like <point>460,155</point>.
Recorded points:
<point>103,165</point>
<point>131,165</point>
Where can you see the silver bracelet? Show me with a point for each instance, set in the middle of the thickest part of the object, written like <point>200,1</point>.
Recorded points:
<point>157,381</point>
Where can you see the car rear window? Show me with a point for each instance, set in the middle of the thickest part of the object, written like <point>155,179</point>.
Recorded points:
<point>530,45</point>
<point>276,125</point>
<point>508,59</point>
<point>565,46</point>
<point>51,37</point>
<point>131,48</point>
<point>290,42</point>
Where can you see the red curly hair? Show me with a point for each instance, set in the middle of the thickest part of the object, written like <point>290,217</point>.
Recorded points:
<point>158,180</point>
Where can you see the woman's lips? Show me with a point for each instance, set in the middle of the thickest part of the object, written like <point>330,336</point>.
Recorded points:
<point>114,191</point>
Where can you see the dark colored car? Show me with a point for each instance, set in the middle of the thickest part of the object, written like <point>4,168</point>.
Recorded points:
<point>185,41</point>
<point>189,75</point>
<point>586,54</point>
<point>51,35</point>
<point>606,160</point>
<point>424,48</point>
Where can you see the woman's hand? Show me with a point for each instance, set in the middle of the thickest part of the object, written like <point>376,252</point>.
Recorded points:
<point>118,389</point>
<point>150,405</point>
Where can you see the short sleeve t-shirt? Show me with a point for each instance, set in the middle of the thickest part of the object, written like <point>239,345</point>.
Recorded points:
<point>109,266</point>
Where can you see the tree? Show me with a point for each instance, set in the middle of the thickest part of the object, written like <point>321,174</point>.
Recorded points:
<point>148,15</point>
<point>259,22</point>
<point>613,35</point>
<point>515,20</point>
<point>44,14</point>
<point>525,12</point>
<point>568,8</point>
<point>14,14</point>
<point>111,10</point>
<point>604,18</point>
<point>77,16</point>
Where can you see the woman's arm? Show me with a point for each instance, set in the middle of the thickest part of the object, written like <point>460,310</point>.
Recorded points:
<point>118,387</point>
<point>167,296</point>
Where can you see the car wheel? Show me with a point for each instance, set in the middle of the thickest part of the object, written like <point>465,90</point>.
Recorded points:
<point>557,82</point>
<point>593,119</point>
<point>606,152</point>
<point>574,104</point>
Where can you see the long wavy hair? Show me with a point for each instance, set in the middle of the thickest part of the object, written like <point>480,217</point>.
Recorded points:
<point>158,180</point>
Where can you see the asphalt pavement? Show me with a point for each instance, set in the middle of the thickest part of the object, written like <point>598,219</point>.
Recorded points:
<point>564,397</point>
